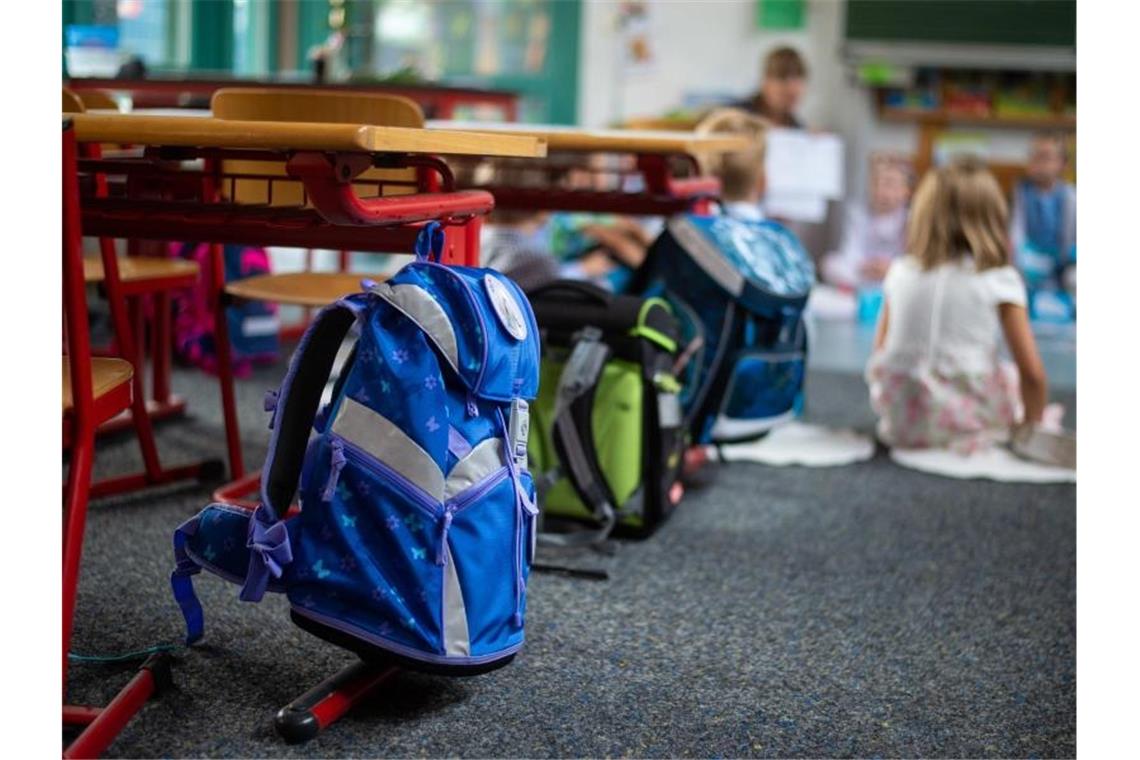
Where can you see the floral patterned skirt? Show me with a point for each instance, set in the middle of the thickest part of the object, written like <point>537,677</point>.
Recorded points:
<point>922,408</point>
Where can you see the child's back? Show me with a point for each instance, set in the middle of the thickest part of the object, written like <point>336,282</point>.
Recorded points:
<point>947,316</point>
<point>936,378</point>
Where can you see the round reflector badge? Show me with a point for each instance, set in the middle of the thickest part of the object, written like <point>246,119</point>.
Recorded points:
<point>506,307</point>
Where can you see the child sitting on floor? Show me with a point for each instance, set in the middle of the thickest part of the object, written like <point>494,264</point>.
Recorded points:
<point>1044,224</point>
<point>874,235</point>
<point>935,375</point>
<point>602,248</point>
<point>515,241</point>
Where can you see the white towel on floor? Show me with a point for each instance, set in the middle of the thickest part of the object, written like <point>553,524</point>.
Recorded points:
<point>995,463</point>
<point>802,444</point>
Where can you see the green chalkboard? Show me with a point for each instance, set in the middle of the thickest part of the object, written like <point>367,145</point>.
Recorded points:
<point>988,22</point>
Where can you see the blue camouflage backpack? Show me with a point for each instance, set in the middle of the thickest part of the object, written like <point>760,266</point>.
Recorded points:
<point>416,530</point>
<point>738,289</point>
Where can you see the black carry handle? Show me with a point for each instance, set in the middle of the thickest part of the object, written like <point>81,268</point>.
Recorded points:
<point>583,290</point>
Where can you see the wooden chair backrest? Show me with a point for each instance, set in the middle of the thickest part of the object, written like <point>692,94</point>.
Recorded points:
<point>98,99</point>
<point>310,105</point>
<point>72,103</point>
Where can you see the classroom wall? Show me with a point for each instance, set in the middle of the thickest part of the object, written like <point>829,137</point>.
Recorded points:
<point>715,45</point>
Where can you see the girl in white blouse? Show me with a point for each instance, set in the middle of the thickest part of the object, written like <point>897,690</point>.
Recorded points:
<point>935,376</point>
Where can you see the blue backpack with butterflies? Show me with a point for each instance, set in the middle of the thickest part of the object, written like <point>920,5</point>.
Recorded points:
<point>415,526</point>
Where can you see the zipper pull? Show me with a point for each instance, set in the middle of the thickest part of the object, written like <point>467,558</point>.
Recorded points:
<point>528,505</point>
<point>472,406</point>
<point>448,515</point>
<point>336,465</point>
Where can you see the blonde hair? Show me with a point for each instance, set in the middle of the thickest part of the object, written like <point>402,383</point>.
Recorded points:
<point>739,171</point>
<point>959,209</point>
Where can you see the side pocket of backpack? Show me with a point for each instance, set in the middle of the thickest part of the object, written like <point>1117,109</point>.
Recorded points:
<point>488,544</point>
<point>762,391</point>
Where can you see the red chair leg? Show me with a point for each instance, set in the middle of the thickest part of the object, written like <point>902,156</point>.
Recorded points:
<point>161,347</point>
<point>327,702</point>
<point>74,520</point>
<point>225,362</point>
<point>108,722</point>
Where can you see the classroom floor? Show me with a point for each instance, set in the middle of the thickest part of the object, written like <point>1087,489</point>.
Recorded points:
<point>856,611</point>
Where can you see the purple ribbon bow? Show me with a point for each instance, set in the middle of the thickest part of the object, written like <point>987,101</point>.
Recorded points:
<point>269,553</point>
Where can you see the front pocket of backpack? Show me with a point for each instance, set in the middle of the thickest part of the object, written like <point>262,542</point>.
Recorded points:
<point>762,389</point>
<point>367,555</point>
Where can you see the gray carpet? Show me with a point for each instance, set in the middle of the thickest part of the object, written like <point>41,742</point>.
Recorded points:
<point>856,611</point>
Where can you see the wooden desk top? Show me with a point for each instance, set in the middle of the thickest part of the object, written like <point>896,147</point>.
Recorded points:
<point>128,129</point>
<point>577,139</point>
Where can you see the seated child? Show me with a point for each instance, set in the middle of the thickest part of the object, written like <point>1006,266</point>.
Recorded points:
<point>513,245</point>
<point>935,377</point>
<point>1044,224</point>
<point>741,174</point>
<point>602,248</point>
<point>875,235</point>
<point>515,242</point>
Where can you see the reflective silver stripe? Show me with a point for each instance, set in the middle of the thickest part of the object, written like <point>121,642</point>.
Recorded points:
<point>668,410</point>
<point>484,459</point>
<point>380,437</point>
<point>418,306</point>
<point>456,639</point>
<point>707,256</point>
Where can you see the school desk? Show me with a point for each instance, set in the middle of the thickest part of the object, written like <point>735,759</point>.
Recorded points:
<point>661,174</point>
<point>177,189</point>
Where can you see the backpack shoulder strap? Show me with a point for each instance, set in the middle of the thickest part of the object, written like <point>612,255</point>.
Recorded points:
<point>578,457</point>
<point>294,409</point>
<point>296,403</point>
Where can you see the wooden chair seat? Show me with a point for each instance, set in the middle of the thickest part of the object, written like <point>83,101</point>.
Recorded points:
<point>299,288</point>
<point>110,380</point>
<point>172,273</point>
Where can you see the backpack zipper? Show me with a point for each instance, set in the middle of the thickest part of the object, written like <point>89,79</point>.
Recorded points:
<point>336,464</point>
<point>461,502</point>
<point>414,493</point>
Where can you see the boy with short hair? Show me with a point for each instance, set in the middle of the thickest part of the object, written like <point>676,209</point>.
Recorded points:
<point>1043,226</point>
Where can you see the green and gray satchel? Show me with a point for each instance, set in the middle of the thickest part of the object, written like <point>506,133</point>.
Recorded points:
<point>607,432</point>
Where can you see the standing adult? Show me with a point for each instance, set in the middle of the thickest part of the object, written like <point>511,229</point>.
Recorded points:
<point>781,89</point>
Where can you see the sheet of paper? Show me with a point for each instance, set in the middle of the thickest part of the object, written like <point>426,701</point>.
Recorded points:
<point>800,163</point>
<point>799,208</point>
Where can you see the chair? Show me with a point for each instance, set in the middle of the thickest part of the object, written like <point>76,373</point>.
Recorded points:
<point>98,100</point>
<point>94,390</point>
<point>265,104</point>
<point>126,282</point>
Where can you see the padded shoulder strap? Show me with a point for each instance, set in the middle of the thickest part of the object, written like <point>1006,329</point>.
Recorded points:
<point>298,398</point>
<point>578,458</point>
